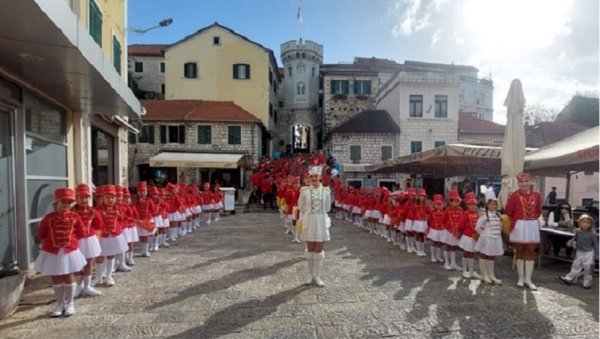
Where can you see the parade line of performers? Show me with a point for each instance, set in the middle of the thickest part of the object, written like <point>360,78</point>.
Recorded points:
<point>76,236</point>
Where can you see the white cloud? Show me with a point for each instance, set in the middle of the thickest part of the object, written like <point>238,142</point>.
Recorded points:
<point>435,38</point>
<point>411,16</point>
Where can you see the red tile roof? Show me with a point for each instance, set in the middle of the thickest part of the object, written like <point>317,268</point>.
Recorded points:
<point>469,123</point>
<point>147,50</point>
<point>196,110</point>
<point>548,132</point>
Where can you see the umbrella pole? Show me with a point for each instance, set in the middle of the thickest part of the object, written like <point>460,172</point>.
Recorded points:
<point>568,186</point>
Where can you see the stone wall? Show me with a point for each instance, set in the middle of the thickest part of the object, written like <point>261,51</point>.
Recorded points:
<point>428,131</point>
<point>151,78</point>
<point>339,146</point>
<point>140,153</point>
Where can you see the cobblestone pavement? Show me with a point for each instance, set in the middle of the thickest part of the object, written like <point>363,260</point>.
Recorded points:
<point>242,278</point>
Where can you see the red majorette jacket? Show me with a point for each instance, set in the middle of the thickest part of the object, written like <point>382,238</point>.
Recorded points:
<point>60,230</point>
<point>90,218</point>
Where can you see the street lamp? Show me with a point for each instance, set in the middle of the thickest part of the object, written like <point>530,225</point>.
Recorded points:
<point>162,23</point>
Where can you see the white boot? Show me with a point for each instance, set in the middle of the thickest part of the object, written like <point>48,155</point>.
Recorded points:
<point>59,293</point>
<point>409,245</point>
<point>422,249</point>
<point>110,264</point>
<point>172,233</point>
<point>163,240</point>
<point>402,242</point>
<point>318,266</point>
<point>528,273</point>
<point>465,268</point>
<point>472,271</point>
<point>122,267</point>
<point>69,297</point>
<point>433,254</point>
<point>439,255</point>
<point>88,289</point>
<point>447,261</point>
<point>145,252</point>
<point>310,258</point>
<point>490,267</point>
<point>484,266</point>
<point>99,271</point>
<point>520,272</point>
<point>208,219</point>
<point>453,264</point>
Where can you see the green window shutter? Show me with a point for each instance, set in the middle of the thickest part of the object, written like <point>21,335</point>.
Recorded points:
<point>117,54</point>
<point>345,87</point>
<point>151,134</point>
<point>95,22</point>
<point>131,138</point>
<point>163,134</point>
<point>247,71</point>
<point>235,71</point>
<point>162,67</point>
<point>355,153</point>
<point>182,134</point>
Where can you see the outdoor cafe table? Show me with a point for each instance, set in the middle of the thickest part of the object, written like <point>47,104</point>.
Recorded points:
<point>545,231</point>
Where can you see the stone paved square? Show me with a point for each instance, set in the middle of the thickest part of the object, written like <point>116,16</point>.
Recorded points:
<point>243,278</point>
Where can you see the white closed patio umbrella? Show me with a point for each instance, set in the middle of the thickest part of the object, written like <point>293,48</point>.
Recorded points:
<point>513,146</point>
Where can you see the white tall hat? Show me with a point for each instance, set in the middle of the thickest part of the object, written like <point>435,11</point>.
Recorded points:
<point>315,170</point>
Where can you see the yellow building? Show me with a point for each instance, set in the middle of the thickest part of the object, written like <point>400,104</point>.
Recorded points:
<point>64,109</point>
<point>216,63</point>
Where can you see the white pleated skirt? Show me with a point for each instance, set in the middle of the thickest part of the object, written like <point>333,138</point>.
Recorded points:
<point>61,263</point>
<point>141,232</point>
<point>90,247</point>
<point>188,212</point>
<point>197,209</point>
<point>355,210</point>
<point>448,238</point>
<point>419,226</point>
<point>387,220</point>
<point>368,214</point>
<point>218,205</point>
<point>376,214</point>
<point>526,232</point>
<point>491,246</point>
<point>166,223</point>
<point>158,221</point>
<point>467,243</point>
<point>131,234</point>
<point>408,225</point>
<point>401,227</point>
<point>207,208</point>
<point>315,227</point>
<point>113,245</point>
<point>435,235</point>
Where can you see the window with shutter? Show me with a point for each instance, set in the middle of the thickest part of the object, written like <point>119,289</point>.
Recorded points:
<point>339,87</point>
<point>234,135</point>
<point>441,106</point>
<point>163,134</point>
<point>416,106</point>
<point>95,22</point>
<point>204,134</point>
<point>190,70</point>
<point>355,153</point>
<point>162,67</point>
<point>241,71</point>
<point>181,134</point>
<point>362,87</point>
<point>416,146</point>
<point>386,152</point>
<point>117,54</point>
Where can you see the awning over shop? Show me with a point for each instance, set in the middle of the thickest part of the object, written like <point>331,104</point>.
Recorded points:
<point>196,160</point>
<point>578,152</point>
<point>359,168</point>
<point>446,161</point>
<point>43,44</point>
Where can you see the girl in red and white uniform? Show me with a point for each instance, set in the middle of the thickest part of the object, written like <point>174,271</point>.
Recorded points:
<point>185,212</point>
<point>162,217</point>
<point>207,202</point>
<point>400,221</point>
<point>469,236</point>
<point>88,244</point>
<point>489,245</point>
<point>451,233</point>
<point>127,227</point>
<point>437,218</point>
<point>420,214</point>
<point>524,208</point>
<point>60,257</point>
<point>197,207</point>
<point>408,224</point>
<point>176,210</point>
<point>111,239</point>
<point>131,230</point>
<point>218,202</point>
<point>146,213</point>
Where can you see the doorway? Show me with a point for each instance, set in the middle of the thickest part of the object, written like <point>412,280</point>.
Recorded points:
<point>7,198</point>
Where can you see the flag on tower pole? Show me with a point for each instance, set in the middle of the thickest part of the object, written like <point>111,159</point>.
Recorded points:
<point>299,15</point>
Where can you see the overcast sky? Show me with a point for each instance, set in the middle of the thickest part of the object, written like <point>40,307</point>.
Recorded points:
<point>551,45</point>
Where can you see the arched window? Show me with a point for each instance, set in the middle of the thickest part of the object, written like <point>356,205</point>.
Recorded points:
<point>300,88</point>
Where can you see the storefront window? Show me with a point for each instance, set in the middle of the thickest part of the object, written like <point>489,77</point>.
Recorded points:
<point>46,160</point>
<point>103,156</point>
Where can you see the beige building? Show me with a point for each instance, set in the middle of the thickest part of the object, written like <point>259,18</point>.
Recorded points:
<point>194,141</point>
<point>216,63</point>
<point>146,67</point>
<point>64,109</point>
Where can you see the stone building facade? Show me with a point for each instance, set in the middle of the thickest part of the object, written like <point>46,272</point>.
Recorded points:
<point>146,66</point>
<point>168,127</point>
